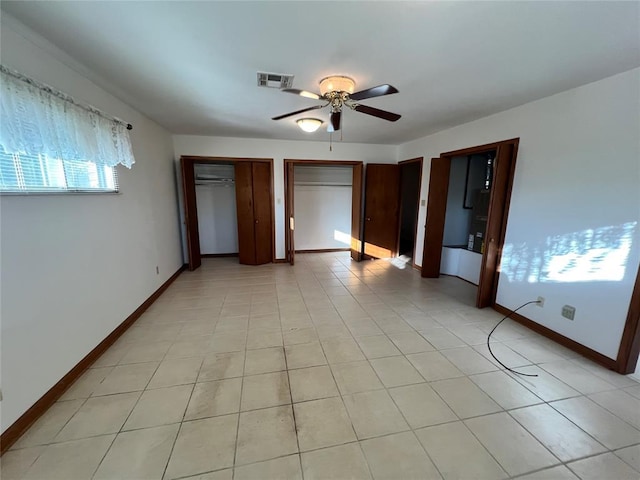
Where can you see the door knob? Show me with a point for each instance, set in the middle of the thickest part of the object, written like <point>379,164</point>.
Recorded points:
<point>256,221</point>
<point>368,219</point>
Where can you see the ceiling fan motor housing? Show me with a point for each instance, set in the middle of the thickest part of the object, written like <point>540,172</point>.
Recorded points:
<point>337,100</point>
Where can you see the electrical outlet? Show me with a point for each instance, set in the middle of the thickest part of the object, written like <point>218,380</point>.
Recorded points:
<point>568,312</point>
<point>540,302</point>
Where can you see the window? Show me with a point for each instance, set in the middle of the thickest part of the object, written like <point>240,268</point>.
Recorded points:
<point>51,143</point>
<point>41,174</point>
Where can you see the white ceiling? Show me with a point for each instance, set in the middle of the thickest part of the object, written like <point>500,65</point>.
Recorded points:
<point>191,66</point>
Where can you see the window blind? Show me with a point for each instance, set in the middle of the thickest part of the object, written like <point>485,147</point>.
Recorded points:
<point>42,174</point>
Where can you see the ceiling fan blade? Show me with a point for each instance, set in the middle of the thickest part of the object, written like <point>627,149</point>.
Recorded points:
<point>302,93</point>
<point>376,112</point>
<point>335,121</point>
<point>280,117</point>
<point>378,91</point>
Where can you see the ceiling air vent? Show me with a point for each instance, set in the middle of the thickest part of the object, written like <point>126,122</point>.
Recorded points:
<point>275,80</point>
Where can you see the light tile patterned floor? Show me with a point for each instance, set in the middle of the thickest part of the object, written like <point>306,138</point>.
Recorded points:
<point>331,369</point>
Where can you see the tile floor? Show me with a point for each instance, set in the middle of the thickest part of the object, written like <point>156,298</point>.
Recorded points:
<point>335,370</point>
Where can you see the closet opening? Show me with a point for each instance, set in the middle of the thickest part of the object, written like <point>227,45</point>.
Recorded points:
<point>467,210</point>
<point>410,181</point>
<point>216,207</point>
<point>228,207</point>
<point>323,205</point>
<point>465,226</point>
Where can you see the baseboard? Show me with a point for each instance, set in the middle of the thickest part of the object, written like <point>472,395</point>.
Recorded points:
<point>558,338</point>
<point>218,255</point>
<point>324,250</point>
<point>22,424</point>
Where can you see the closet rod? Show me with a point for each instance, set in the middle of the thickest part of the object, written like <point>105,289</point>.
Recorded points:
<point>316,184</point>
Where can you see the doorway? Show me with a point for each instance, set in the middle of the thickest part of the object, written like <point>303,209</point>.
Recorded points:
<point>253,184</point>
<point>470,182</point>
<point>323,205</point>
<point>410,183</point>
<point>392,196</point>
<point>487,230</point>
<point>216,207</point>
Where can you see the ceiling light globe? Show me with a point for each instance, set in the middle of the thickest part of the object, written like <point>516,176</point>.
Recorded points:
<point>309,125</point>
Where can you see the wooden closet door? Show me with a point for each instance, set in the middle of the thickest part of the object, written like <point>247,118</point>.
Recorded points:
<point>191,213</point>
<point>436,213</point>
<point>356,213</point>
<point>381,210</point>
<point>262,212</point>
<point>244,207</point>
<point>289,215</point>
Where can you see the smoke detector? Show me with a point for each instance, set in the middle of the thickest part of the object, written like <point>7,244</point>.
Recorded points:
<point>275,80</point>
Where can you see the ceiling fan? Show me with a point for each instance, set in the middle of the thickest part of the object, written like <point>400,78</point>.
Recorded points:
<point>337,92</point>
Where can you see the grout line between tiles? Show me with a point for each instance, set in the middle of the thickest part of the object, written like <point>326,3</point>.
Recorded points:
<point>293,411</point>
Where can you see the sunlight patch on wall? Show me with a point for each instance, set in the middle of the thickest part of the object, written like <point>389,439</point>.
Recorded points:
<point>591,255</point>
<point>342,237</point>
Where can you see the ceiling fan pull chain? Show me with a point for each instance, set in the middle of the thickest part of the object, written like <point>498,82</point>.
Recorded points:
<point>331,141</point>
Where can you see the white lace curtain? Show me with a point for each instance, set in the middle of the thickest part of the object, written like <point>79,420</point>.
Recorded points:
<point>36,119</point>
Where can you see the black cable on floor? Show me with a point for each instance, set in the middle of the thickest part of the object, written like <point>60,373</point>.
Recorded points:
<point>494,328</point>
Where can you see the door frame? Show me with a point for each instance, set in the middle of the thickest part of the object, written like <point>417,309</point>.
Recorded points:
<point>419,160</point>
<point>629,350</point>
<point>497,217</point>
<point>356,207</point>
<point>187,165</point>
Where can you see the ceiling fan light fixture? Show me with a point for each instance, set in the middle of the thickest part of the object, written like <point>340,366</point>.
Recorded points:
<point>309,125</point>
<point>337,83</point>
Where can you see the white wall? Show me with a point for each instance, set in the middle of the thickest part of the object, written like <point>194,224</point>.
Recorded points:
<point>217,218</point>
<point>462,263</point>
<point>578,170</point>
<point>75,266</point>
<point>322,206</point>
<point>279,150</point>
<point>322,217</point>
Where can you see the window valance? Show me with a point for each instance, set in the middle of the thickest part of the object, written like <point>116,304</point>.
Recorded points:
<point>36,119</point>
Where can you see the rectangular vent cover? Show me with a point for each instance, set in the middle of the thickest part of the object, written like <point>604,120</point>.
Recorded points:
<point>275,80</point>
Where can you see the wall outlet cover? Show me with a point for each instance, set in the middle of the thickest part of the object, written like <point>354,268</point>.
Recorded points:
<point>568,312</point>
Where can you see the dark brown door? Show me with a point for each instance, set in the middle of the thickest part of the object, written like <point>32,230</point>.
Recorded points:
<point>356,213</point>
<point>262,212</point>
<point>436,210</point>
<point>244,207</point>
<point>289,214</point>
<point>190,213</point>
<point>496,224</point>
<point>381,210</point>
